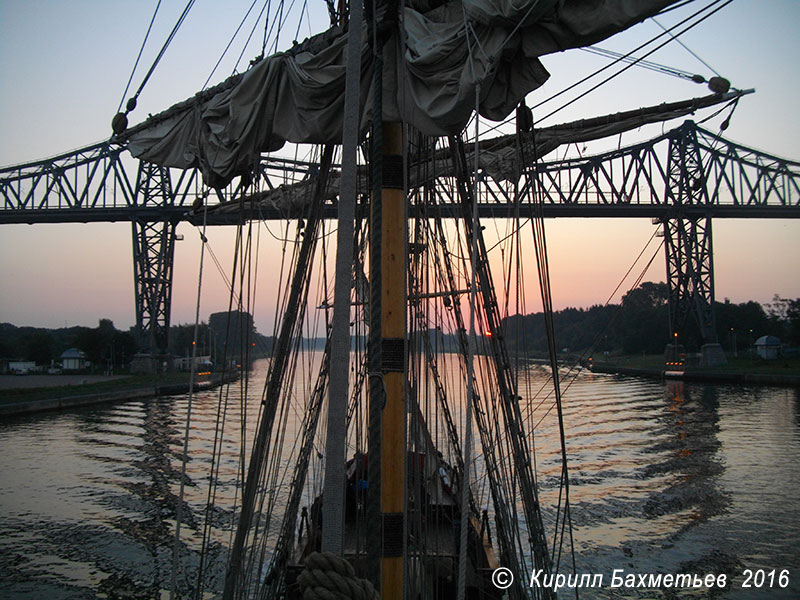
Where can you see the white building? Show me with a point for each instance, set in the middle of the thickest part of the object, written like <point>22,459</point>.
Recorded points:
<point>768,346</point>
<point>21,367</point>
<point>202,363</point>
<point>73,359</point>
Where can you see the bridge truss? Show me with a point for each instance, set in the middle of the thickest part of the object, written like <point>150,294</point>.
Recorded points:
<point>680,179</point>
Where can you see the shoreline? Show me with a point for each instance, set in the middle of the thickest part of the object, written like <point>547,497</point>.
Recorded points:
<point>701,376</point>
<point>11,409</point>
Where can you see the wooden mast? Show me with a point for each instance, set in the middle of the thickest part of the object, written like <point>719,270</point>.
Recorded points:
<point>394,228</point>
<point>386,496</point>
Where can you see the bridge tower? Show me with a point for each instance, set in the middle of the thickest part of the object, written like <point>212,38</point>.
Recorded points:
<point>153,257</point>
<point>688,247</point>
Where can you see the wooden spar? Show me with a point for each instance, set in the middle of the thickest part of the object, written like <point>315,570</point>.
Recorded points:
<point>394,228</point>
<point>334,491</point>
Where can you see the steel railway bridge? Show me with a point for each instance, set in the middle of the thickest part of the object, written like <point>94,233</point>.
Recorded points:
<point>682,179</point>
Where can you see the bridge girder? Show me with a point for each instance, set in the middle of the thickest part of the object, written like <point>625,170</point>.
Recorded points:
<point>153,261</point>
<point>95,184</point>
<point>688,242</point>
<point>683,179</point>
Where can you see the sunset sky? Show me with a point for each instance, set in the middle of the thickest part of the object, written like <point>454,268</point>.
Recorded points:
<point>65,65</point>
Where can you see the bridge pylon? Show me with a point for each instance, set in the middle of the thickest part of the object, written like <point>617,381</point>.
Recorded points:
<point>153,258</point>
<point>689,249</point>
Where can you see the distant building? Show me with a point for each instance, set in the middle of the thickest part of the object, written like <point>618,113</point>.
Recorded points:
<point>21,367</point>
<point>202,363</point>
<point>768,347</point>
<point>73,359</point>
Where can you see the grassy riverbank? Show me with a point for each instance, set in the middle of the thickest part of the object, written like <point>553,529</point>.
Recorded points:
<point>738,370</point>
<point>783,366</point>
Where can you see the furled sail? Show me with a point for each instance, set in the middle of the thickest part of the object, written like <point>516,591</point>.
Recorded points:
<point>433,67</point>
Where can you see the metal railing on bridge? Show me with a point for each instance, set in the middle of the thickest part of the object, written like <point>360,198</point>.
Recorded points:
<point>680,179</point>
<point>102,183</point>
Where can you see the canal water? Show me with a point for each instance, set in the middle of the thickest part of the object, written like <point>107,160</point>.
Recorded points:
<point>666,478</point>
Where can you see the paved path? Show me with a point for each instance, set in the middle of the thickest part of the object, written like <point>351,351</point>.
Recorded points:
<point>10,382</point>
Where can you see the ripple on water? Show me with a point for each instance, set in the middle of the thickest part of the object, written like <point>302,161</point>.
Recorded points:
<point>664,478</point>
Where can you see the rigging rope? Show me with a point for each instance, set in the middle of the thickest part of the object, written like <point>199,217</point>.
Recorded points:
<point>266,29</point>
<point>645,64</point>
<point>247,41</point>
<point>626,57</point>
<point>473,296</point>
<point>216,452</point>
<point>184,455</point>
<point>465,480</point>
<point>509,467</point>
<point>300,20</point>
<point>132,101</point>
<point>274,390</point>
<point>614,75</point>
<point>540,242</point>
<point>608,325</point>
<point>230,42</point>
<point>330,577</point>
<point>139,56</point>
<point>689,50</point>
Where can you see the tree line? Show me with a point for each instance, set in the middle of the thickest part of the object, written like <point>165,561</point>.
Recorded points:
<point>640,324</point>
<point>227,334</point>
<point>232,335</point>
<point>104,345</point>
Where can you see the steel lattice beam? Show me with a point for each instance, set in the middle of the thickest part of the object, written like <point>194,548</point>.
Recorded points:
<point>153,259</point>
<point>100,184</point>
<point>651,179</point>
<point>94,184</point>
<point>687,241</point>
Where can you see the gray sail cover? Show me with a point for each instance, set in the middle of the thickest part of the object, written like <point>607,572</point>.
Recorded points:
<point>432,69</point>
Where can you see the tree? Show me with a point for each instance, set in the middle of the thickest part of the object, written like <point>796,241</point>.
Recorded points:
<point>124,347</point>
<point>785,314</point>
<point>182,336</point>
<point>746,321</point>
<point>233,333</point>
<point>793,317</point>
<point>98,344</point>
<point>648,295</point>
<point>39,347</point>
<point>644,319</point>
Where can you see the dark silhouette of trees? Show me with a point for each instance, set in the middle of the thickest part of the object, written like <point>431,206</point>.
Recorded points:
<point>644,319</point>
<point>793,317</point>
<point>641,324</point>
<point>105,346</point>
<point>785,312</point>
<point>39,347</point>
<point>746,322</point>
<point>575,329</point>
<point>182,336</point>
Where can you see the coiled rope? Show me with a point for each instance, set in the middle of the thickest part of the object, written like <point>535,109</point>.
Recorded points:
<point>330,577</point>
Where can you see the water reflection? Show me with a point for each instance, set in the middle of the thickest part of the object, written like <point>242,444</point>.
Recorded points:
<point>665,478</point>
<point>703,494</point>
<point>688,457</point>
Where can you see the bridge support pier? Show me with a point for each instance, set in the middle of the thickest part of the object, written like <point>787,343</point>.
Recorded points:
<point>689,251</point>
<point>153,257</point>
